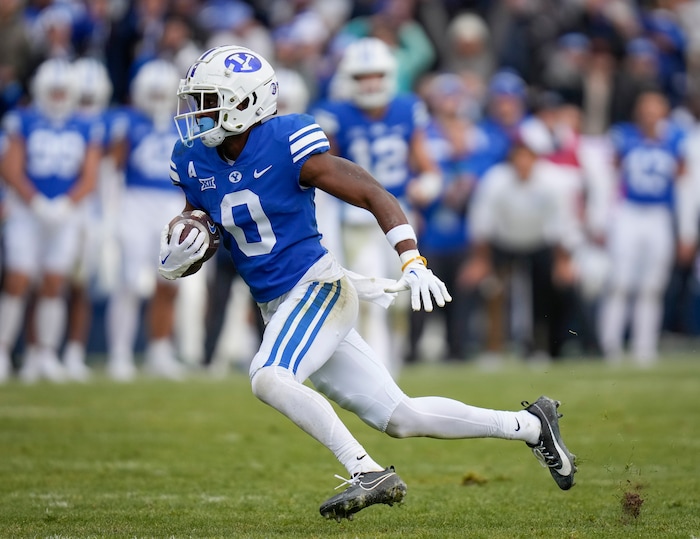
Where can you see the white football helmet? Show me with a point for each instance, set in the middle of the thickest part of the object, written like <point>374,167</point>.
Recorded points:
<point>94,83</point>
<point>236,84</point>
<point>362,59</point>
<point>54,89</point>
<point>153,90</point>
<point>293,93</point>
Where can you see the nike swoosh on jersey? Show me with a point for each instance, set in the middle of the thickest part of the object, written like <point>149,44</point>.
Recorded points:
<point>257,174</point>
<point>518,423</point>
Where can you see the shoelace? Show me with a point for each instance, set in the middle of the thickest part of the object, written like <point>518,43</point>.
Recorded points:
<point>546,458</point>
<point>349,482</point>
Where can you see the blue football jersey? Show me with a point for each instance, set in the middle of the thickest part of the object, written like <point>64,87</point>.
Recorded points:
<point>268,218</point>
<point>648,167</point>
<point>55,150</point>
<point>445,228</point>
<point>150,148</point>
<point>381,146</point>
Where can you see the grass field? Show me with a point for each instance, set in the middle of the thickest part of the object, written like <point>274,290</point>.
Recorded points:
<point>204,458</point>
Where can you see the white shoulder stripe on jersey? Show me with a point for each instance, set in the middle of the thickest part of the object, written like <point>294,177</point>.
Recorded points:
<point>306,140</point>
<point>174,176</point>
<point>303,130</point>
<point>323,144</point>
<point>172,165</point>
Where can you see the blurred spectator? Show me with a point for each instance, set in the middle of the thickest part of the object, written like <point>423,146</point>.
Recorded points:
<point>649,157</point>
<point>663,29</point>
<point>505,109</point>
<point>393,22</point>
<point>442,229</point>
<point>233,22</point>
<point>565,69</point>
<point>176,45</point>
<point>639,73</point>
<point>523,235</point>
<point>15,54</point>
<point>52,34</point>
<point>469,53</point>
<point>51,165</point>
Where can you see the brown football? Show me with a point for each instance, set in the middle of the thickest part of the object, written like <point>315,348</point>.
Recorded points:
<point>200,220</point>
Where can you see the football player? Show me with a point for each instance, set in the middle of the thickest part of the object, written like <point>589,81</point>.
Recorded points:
<point>147,199</point>
<point>255,174</point>
<point>95,92</point>
<point>50,166</point>
<point>649,159</point>
<point>384,133</point>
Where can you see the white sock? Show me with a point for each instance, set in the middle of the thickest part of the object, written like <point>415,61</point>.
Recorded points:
<point>50,322</point>
<point>311,412</point>
<point>646,326</point>
<point>122,325</point>
<point>74,353</point>
<point>613,318</point>
<point>440,417</point>
<point>11,318</point>
<point>161,348</point>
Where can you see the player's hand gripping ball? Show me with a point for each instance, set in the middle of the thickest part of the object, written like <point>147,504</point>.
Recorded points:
<point>206,225</point>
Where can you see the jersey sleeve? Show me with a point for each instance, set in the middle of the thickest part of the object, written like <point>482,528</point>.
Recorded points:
<point>306,139</point>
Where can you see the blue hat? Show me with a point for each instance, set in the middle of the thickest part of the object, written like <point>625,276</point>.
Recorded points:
<point>575,41</point>
<point>642,47</point>
<point>507,83</point>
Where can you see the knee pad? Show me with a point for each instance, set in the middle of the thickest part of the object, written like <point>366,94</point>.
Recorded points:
<point>266,380</point>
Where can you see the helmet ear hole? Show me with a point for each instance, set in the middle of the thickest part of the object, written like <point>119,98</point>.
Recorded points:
<point>244,104</point>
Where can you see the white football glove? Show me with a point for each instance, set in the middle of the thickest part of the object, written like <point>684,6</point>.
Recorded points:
<point>176,258</point>
<point>422,283</point>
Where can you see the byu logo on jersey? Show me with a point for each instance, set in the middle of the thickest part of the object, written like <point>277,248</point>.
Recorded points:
<point>235,177</point>
<point>242,61</point>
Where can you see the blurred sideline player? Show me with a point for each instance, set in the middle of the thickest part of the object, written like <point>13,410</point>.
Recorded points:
<point>649,159</point>
<point>454,142</point>
<point>95,92</point>
<point>384,133</point>
<point>51,165</point>
<point>148,199</point>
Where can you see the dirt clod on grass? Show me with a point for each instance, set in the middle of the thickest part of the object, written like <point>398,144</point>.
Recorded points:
<point>631,503</point>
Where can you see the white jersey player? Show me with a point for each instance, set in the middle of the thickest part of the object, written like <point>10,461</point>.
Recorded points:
<point>256,175</point>
<point>148,199</point>
<point>649,158</point>
<point>50,166</point>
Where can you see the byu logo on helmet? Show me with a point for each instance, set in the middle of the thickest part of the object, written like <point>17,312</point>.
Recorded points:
<point>243,61</point>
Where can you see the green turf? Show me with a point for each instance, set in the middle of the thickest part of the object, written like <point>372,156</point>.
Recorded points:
<point>204,458</point>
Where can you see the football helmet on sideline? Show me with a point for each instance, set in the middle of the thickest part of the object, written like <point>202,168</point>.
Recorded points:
<point>153,90</point>
<point>367,73</point>
<point>245,87</point>
<point>54,89</point>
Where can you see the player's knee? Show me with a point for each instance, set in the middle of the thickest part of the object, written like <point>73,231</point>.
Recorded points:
<point>266,381</point>
<point>402,422</point>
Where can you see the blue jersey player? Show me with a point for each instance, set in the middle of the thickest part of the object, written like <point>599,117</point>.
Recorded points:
<point>649,159</point>
<point>370,124</point>
<point>256,173</point>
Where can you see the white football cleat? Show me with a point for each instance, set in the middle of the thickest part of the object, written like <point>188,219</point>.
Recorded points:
<point>121,369</point>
